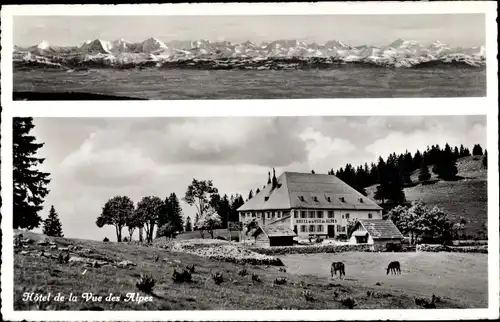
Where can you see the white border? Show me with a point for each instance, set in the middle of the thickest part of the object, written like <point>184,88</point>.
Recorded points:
<point>453,106</point>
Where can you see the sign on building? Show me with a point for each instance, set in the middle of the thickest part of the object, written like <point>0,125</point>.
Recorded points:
<point>235,226</point>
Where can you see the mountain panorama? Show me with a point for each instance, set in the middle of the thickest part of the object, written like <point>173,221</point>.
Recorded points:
<point>279,54</point>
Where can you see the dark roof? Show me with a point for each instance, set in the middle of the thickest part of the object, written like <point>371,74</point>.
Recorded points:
<point>381,229</point>
<point>307,190</point>
<point>275,231</point>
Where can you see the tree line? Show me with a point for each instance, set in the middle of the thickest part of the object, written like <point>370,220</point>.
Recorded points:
<point>393,174</point>
<point>212,212</point>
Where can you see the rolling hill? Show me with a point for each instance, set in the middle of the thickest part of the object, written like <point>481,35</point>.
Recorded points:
<point>467,197</point>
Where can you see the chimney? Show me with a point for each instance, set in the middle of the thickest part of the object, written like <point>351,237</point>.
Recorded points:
<point>269,177</point>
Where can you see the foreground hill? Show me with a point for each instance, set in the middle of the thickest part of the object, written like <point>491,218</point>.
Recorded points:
<point>37,269</point>
<point>467,197</point>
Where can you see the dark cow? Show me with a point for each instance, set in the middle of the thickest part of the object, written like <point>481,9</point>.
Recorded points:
<point>338,266</point>
<point>394,267</point>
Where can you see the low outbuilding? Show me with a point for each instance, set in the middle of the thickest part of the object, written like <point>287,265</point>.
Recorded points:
<point>273,235</point>
<point>382,234</point>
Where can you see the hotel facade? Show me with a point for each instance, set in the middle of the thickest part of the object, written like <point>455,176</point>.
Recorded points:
<point>309,204</point>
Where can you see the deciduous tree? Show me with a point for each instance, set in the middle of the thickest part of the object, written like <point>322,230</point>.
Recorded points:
<point>148,210</point>
<point>115,213</point>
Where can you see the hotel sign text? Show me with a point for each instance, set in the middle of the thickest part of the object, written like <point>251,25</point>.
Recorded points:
<point>316,221</point>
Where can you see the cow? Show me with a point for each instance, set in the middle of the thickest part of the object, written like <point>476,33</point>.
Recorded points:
<point>394,267</point>
<point>337,266</point>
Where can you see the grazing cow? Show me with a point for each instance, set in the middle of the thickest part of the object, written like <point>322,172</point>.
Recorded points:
<point>394,267</point>
<point>338,266</point>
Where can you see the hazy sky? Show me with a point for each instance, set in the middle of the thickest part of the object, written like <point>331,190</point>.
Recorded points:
<point>453,29</point>
<point>94,159</point>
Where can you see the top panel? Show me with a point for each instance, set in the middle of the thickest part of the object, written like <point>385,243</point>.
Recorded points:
<point>179,57</point>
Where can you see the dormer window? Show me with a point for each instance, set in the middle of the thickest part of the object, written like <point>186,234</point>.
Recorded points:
<point>266,198</point>
<point>342,199</point>
<point>361,200</point>
<point>279,185</point>
<point>302,198</point>
<point>329,199</point>
<point>315,198</point>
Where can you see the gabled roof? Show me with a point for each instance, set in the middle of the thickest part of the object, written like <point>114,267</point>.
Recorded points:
<point>307,190</point>
<point>381,229</point>
<point>275,231</point>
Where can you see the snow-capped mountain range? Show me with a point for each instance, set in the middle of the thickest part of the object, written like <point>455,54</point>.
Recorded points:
<point>154,52</point>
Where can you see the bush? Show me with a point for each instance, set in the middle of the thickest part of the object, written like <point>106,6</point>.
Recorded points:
<point>145,284</point>
<point>307,295</point>
<point>185,276</point>
<point>105,239</point>
<point>243,272</point>
<point>310,249</point>
<point>458,249</point>
<point>255,277</point>
<point>218,278</point>
<point>349,302</point>
<point>280,281</point>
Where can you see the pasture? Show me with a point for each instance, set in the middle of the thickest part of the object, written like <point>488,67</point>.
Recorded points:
<point>459,279</point>
<point>458,276</point>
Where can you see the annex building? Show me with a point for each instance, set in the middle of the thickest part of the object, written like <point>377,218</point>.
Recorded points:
<point>308,204</point>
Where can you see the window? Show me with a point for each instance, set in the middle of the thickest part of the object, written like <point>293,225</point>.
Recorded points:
<point>338,229</point>
<point>295,228</point>
<point>329,199</point>
<point>311,214</point>
<point>311,228</point>
<point>279,214</point>
<point>330,214</point>
<point>253,215</point>
<point>320,228</point>
<point>370,216</point>
<point>303,214</point>
<point>343,229</point>
<point>258,215</point>
<point>320,214</point>
<point>295,214</point>
<point>302,228</point>
<point>342,216</point>
<point>268,215</point>
<point>347,216</point>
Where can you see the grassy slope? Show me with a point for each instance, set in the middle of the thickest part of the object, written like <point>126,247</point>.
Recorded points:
<point>466,197</point>
<point>42,275</point>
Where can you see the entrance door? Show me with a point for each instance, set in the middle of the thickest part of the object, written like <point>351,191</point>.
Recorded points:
<point>331,231</point>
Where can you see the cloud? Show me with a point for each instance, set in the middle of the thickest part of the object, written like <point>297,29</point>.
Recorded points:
<point>92,160</point>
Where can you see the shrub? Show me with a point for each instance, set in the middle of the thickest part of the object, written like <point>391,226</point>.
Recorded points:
<point>280,281</point>
<point>190,268</point>
<point>308,295</point>
<point>310,249</point>
<point>425,303</point>
<point>348,302</point>
<point>255,277</point>
<point>63,257</point>
<point>218,278</point>
<point>184,276</point>
<point>243,272</point>
<point>105,239</point>
<point>282,269</point>
<point>145,283</point>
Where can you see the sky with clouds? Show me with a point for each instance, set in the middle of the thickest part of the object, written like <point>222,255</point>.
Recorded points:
<point>465,30</point>
<point>94,159</point>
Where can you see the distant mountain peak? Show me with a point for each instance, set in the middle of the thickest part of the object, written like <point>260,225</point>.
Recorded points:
<point>43,45</point>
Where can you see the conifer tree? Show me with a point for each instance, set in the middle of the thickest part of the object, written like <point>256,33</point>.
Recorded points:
<point>477,150</point>
<point>189,226</point>
<point>485,159</point>
<point>424,174</point>
<point>30,184</point>
<point>52,225</point>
